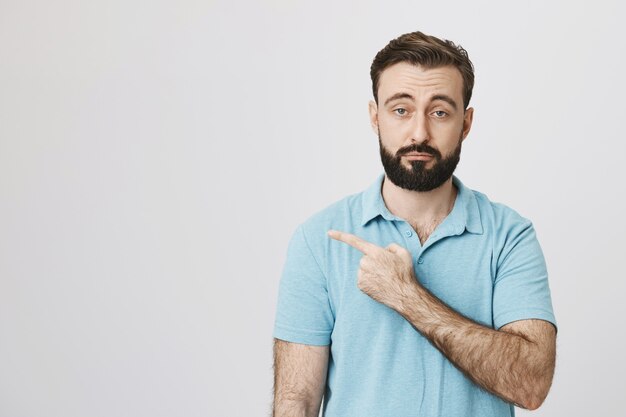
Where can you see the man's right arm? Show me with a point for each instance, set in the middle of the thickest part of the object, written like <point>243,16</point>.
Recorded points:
<point>299,378</point>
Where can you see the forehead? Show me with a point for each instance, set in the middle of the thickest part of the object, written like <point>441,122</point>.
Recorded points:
<point>420,82</point>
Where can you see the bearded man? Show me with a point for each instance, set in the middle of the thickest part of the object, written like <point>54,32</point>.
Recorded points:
<point>418,296</point>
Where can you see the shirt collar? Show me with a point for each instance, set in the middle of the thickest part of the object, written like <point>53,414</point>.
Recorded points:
<point>465,214</point>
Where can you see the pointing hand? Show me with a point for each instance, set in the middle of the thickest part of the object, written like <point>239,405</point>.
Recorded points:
<point>385,274</point>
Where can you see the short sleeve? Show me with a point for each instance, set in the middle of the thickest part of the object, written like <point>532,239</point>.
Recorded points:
<point>303,313</point>
<point>521,290</point>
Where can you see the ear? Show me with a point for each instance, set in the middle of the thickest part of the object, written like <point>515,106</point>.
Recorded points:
<point>468,117</point>
<point>373,110</point>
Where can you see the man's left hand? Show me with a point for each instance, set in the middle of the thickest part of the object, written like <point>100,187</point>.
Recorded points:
<point>385,274</point>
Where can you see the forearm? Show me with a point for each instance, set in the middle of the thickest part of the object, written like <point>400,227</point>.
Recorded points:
<point>289,402</point>
<point>299,379</point>
<point>294,408</point>
<point>506,364</point>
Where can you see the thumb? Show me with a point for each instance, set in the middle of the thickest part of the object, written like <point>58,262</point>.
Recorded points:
<point>401,252</point>
<point>394,248</point>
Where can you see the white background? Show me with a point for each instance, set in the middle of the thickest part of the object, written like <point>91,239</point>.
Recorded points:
<point>155,158</point>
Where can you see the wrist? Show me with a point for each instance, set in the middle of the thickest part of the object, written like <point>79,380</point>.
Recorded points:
<point>412,300</point>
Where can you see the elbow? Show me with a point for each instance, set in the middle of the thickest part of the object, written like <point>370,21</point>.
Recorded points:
<point>532,404</point>
<point>534,399</point>
<point>535,390</point>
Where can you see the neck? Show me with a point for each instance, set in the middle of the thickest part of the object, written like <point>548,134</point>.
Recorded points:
<point>419,206</point>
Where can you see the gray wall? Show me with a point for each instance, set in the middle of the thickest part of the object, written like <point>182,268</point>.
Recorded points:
<point>155,158</point>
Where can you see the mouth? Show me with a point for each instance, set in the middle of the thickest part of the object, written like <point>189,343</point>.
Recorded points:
<point>414,156</point>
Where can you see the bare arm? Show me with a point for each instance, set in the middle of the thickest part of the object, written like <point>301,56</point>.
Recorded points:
<point>515,363</point>
<point>299,378</point>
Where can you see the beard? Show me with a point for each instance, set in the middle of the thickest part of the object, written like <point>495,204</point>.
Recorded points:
<point>418,177</point>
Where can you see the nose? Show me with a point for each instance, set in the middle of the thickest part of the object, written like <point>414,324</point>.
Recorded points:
<point>420,131</point>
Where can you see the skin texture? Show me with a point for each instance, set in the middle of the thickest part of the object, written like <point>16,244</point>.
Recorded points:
<point>515,363</point>
<point>299,378</point>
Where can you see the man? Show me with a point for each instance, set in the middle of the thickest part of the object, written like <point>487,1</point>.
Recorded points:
<point>418,296</point>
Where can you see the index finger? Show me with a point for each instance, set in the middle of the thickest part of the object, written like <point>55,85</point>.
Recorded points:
<point>354,241</point>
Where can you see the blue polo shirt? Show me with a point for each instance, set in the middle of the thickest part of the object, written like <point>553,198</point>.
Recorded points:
<point>483,260</point>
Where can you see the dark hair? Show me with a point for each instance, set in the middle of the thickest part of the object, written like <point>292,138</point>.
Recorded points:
<point>427,51</point>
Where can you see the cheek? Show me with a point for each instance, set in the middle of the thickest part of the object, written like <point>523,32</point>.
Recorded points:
<point>448,131</point>
<point>393,127</point>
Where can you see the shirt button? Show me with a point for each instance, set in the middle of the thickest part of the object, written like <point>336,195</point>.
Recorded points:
<point>408,233</point>
<point>420,261</point>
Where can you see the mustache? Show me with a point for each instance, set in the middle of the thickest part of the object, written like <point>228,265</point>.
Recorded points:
<point>421,148</point>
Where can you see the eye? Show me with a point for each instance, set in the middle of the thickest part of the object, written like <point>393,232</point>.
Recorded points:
<point>400,111</point>
<point>440,114</point>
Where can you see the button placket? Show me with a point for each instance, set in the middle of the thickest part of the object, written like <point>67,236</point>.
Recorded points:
<point>413,244</point>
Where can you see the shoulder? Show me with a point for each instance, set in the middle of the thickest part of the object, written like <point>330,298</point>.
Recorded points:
<point>509,231</point>
<point>339,214</point>
<point>497,217</point>
<point>344,214</point>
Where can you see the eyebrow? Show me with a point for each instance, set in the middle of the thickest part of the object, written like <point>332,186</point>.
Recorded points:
<point>398,96</point>
<point>441,97</point>
<point>445,98</point>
